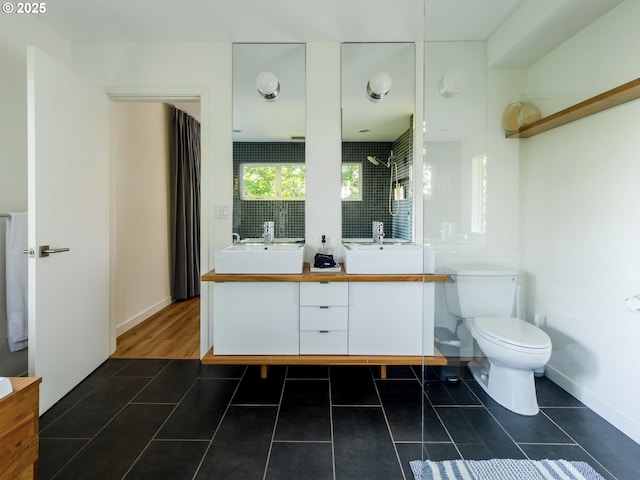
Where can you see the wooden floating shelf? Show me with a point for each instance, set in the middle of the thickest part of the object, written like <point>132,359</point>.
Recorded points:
<point>611,98</point>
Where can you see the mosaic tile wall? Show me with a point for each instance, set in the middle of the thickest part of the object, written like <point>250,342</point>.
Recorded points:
<point>403,221</point>
<point>248,216</point>
<point>358,215</point>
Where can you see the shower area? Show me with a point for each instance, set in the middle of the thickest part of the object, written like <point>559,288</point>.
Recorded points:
<point>380,199</point>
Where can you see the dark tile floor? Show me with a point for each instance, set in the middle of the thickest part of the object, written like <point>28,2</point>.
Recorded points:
<point>157,419</point>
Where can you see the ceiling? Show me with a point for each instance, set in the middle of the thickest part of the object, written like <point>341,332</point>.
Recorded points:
<point>302,21</point>
<point>276,21</point>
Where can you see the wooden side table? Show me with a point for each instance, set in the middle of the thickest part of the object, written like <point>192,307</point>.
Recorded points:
<point>19,430</point>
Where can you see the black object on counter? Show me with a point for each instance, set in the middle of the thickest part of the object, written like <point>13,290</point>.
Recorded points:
<point>323,260</point>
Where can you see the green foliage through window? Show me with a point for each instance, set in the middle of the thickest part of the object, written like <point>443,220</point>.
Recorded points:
<point>272,181</point>
<point>351,181</point>
<point>286,181</point>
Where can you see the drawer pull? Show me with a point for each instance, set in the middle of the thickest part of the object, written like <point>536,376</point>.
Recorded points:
<point>324,283</point>
<point>323,331</point>
<point>323,306</point>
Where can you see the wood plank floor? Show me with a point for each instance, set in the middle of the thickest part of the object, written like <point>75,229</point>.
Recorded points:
<point>172,333</point>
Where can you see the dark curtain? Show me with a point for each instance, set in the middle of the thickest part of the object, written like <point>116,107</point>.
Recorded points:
<point>185,206</point>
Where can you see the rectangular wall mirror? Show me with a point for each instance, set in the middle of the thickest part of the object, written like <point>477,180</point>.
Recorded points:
<point>378,105</point>
<point>269,140</point>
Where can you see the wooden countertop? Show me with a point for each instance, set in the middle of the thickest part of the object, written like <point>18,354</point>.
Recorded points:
<point>308,276</point>
<point>20,383</point>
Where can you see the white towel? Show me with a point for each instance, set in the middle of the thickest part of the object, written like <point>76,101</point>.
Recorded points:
<point>17,321</point>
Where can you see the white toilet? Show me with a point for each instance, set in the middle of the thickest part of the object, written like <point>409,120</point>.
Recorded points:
<point>484,298</point>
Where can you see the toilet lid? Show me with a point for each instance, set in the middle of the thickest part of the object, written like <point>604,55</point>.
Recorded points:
<point>512,331</point>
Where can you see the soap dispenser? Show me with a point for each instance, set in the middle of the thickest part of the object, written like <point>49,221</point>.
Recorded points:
<point>323,249</point>
<point>323,258</point>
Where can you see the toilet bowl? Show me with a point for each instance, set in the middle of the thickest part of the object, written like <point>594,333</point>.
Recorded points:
<point>510,348</point>
<point>513,349</point>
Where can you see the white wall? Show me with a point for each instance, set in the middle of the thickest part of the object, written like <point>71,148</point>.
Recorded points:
<point>174,71</point>
<point>579,214</point>
<point>16,32</point>
<point>323,149</point>
<point>140,151</point>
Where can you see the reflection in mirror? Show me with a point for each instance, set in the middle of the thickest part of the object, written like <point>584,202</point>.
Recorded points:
<point>268,139</point>
<point>378,97</point>
<point>455,160</point>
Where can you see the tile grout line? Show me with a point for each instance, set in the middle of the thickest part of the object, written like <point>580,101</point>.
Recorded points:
<point>153,437</point>
<point>386,421</point>
<point>333,444</point>
<point>574,440</point>
<point>100,430</point>
<point>73,405</point>
<point>275,424</point>
<point>425,399</point>
<point>215,432</point>
<point>498,422</point>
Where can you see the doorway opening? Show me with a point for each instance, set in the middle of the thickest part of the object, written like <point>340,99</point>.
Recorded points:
<point>148,322</point>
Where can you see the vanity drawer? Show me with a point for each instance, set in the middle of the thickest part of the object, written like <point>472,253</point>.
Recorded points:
<point>324,293</point>
<point>324,318</point>
<point>323,342</point>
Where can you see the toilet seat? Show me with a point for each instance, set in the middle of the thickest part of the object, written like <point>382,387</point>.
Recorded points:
<point>512,333</point>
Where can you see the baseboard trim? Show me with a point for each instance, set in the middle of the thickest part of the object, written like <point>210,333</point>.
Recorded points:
<point>608,412</point>
<point>142,316</point>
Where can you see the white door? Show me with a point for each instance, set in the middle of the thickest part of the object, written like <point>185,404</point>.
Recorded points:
<point>68,184</point>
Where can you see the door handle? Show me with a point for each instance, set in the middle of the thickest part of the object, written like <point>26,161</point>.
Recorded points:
<point>45,250</point>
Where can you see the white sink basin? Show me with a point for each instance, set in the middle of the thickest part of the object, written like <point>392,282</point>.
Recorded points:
<point>385,258</point>
<point>248,258</point>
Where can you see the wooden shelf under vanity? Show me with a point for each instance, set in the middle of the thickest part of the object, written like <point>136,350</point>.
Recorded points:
<point>363,360</point>
<point>611,98</point>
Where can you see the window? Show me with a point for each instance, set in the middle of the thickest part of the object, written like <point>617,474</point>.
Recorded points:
<point>351,181</point>
<point>272,181</point>
<point>286,181</point>
<point>479,194</point>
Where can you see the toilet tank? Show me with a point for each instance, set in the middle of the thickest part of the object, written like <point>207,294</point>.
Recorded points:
<point>481,291</point>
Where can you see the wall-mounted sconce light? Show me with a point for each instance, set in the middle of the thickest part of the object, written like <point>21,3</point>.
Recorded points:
<point>451,83</point>
<point>268,85</point>
<point>378,86</point>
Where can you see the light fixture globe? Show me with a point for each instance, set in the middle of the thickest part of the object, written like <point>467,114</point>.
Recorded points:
<point>452,83</point>
<point>268,85</point>
<point>378,86</point>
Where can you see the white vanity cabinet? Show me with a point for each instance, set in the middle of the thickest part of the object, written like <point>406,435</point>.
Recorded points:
<point>256,318</point>
<point>385,318</point>
<point>324,318</point>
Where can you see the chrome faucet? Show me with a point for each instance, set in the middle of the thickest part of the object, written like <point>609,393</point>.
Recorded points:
<point>236,237</point>
<point>267,232</point>
<point>378,232</point>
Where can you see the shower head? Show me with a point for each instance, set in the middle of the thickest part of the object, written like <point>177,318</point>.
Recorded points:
<point>392,158</point>
<point>373,159</point>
